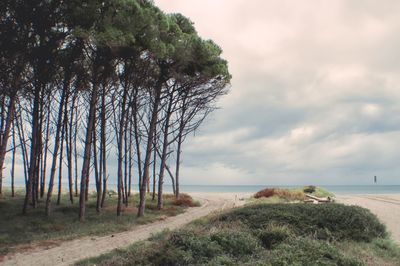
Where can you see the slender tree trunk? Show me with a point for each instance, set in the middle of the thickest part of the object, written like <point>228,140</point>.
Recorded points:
<point>130,159</point>
<point>103,145</point>
<point>62,153</point>
<point>13,162</point>
<point>21,135</point>
<point>178,164</point>
<point>76,151</point>
<point>96,173</point>
<point>46,147</point>
<point>154,166</point>
<point>126,157</point>
<point>56,148</point>
<point>160,202</point>
<point>86,155</point>
<point>137,142</point>
<point>152,128</point>
<point>120,151</point>
<point>34,149</point>
<point>5,136</point>
<point>69,151</point>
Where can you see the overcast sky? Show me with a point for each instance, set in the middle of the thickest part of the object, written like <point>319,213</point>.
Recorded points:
<point>315,94</point>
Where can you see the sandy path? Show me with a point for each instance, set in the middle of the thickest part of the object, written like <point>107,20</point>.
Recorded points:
<point>70,252</point>
<point>386,207</point>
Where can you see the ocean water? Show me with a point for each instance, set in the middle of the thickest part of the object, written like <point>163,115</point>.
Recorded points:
<point>337,189</point>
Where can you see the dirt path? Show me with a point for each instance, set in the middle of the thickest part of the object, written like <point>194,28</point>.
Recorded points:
<point>386,207</point>
<point>70,252</point>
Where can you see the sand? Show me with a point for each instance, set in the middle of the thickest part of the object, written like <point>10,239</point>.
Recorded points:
<point>386,207</point>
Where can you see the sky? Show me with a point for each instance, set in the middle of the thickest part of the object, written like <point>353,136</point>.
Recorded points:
<point>314,98</point>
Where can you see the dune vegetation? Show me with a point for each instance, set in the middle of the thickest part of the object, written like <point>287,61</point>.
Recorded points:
<point>17,233</point>
<point>263,233</point>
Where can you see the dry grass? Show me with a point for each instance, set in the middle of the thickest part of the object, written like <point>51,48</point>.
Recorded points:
<point>287,194</point>
<point>185,200</point>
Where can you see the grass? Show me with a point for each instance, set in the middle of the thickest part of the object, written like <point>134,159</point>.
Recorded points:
<point>268,234</point>
<point>19,231</point>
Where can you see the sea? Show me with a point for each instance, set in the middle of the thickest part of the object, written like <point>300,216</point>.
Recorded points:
<point>336,189</point>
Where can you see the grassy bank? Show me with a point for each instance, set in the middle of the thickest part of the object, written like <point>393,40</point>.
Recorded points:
<point>268,234</point>
<point>19,231</point>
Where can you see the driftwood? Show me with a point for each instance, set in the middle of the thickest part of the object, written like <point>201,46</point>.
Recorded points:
<point>316,200</point>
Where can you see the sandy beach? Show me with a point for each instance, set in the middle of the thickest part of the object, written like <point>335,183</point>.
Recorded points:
<point>386,207</point>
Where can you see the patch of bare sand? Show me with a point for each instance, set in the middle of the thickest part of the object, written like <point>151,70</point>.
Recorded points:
<point>385,206</point>
<point>69,252</point>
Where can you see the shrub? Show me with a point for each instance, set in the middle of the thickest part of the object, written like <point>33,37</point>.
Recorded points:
<point>200,246</point>
<point>273,235</point>
<point>265,193</point>
<point>236,243</point>
<point>326,221</point>
<point>308,252</point>
<point>185,200</point>
<point>309,189</point>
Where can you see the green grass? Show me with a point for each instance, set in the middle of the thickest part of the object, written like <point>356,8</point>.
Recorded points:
<point>19,231</point>
<point>268,234</point>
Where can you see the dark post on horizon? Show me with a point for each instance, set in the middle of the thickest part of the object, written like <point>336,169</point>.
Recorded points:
<point>375,180</point>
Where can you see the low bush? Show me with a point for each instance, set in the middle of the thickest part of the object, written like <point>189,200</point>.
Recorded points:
<point>186,201</point>
<point>309,189</point>
<point>265,193</point>
<point>307,252</point>
<point>237,243</point>
<point>273,235</point>
<point>201,246</point>
<point>327,221</point>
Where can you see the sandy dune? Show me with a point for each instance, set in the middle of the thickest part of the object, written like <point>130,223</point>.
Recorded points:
<point>386,207</point>
<point>70,252</point>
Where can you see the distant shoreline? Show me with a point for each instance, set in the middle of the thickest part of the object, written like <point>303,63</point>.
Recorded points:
<point>335,189</point>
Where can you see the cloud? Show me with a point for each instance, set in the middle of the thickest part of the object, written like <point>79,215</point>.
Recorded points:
<point>314,96</point>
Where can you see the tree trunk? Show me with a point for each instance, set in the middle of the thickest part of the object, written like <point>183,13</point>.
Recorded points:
<point>120,151</point>
<point>160,202</point>
<point>87,152</point>
<point>34,149</point>
<point>13,163</point>
<point>55,151</point>
<point>46,147</point>
<point>69,151</point>
<point>96,173</point>
<point>103,145</point>
<point>154,166</point>
<point>178,164</point>
<point>5,136</point>
<point>153,124</point>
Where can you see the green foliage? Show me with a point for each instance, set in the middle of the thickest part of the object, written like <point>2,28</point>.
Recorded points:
<point>326,221</point>
<point>273,235</point>
<point>266,234</point>
<point>303,251</point>
<point>309,189</point>
<point>202,247</point>
<point>236,243</point>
